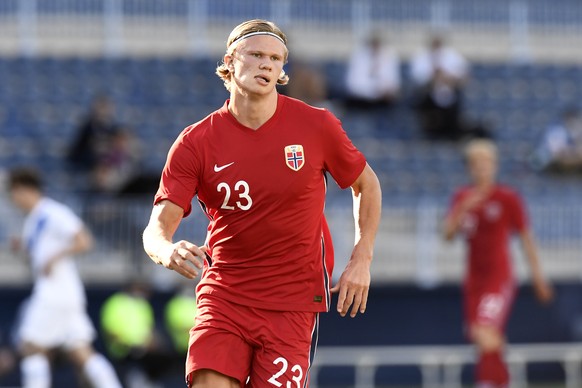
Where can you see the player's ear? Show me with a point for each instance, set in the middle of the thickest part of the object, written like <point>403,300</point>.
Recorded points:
<point>228,61</point>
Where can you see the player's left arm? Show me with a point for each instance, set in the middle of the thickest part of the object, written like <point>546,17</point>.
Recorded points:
<point>542,287</point>
<point>354,282</point>
<point>81,242</point>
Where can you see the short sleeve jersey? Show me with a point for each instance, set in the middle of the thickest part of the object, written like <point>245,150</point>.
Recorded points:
<point>264,191</point>
<point>48,230</point>
<point>488,229</point>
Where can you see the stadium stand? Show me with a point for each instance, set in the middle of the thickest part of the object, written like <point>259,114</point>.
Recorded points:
<point>45,90</point>
<point>43,98</point>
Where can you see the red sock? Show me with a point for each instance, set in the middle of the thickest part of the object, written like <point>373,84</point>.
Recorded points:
<point>491,368</point>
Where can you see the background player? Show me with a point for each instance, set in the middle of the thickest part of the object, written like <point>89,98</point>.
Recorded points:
<point>55,315</point>
<point>486,213</point>
<point>258,166</point>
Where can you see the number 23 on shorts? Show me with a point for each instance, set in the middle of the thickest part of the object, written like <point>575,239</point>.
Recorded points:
<point>278,379</point>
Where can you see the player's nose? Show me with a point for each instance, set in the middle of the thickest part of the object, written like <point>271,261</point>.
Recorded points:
<point>266,65</point>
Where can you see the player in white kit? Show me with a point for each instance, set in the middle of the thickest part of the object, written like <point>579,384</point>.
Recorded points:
<point>55,315</point>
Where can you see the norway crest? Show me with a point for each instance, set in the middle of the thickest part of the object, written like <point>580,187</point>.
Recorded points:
<point>294,157</point>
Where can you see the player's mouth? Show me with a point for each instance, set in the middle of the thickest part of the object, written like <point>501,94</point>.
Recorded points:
<point>263,79</point>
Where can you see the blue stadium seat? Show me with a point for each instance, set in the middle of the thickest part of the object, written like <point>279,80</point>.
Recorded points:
<point>43,99</point>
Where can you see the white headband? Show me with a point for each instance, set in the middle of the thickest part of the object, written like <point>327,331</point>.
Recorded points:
<point>254,34</point>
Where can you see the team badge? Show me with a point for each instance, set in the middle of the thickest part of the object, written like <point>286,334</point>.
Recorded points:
<point>294,157</point>
<point>492,211</point>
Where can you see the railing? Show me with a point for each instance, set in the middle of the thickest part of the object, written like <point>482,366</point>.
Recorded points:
<point>113,27</point>
<point>409,248</point>
<point>441,366</point>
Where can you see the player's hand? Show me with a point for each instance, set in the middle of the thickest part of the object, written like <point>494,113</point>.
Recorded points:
<point>353,287</point>
<point>543,290</point>
<point>472,200</point>
<point>15,244</point>
<point>182,257</point>
<point>50,265</point>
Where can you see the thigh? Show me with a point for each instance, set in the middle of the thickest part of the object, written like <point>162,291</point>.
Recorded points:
<point>491,305</point>
<point>207,378</point>
<point>51,326</point>
<point>80,331</point>
<point>217,342</point>
<point>286,352</point>
<point>80,354</point>
<point>39,325</point>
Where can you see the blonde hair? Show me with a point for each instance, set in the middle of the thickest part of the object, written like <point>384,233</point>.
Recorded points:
<point>239,32</point>
<point>480,145</point>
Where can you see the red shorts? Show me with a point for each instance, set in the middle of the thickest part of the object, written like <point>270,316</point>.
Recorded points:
<point>489,305</point>
<point>259,348</point>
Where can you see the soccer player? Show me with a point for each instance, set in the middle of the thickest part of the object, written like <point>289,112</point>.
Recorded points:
<point>258,166</point>
<point>55,315</point>
<point>487,213</point>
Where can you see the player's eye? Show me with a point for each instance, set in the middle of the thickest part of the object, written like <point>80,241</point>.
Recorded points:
<point>256,55</point>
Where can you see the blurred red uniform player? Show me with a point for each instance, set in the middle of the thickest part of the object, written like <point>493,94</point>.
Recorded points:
<point>487,213</point>
<point>258,167</point>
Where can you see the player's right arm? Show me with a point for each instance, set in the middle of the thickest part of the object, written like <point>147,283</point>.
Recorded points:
<point>81,242</point>
<point>182,256</point>
<point>452,223</point>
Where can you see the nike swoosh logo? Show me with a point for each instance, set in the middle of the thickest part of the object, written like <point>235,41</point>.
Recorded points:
<point>217,169</point>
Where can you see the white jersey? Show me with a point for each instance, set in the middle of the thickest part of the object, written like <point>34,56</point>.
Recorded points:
<point>373,75</point>
<point>447,59</point>
<point>49,229</point>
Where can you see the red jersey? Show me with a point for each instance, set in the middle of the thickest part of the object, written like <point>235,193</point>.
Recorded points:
<point>487,229</point>
<point>263,191</point>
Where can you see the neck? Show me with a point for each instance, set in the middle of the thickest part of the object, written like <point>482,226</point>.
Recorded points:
<point>31,202</point>
<point>252,112</point>
<point>484,185</point>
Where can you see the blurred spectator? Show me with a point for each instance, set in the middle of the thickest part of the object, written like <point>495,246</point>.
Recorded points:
<point>118,163</point>
<point>129,328</point>
<point>179,316</point>
<point>109,154</point>
<point>561,148</point>
<point>439,73</point>
<point>306,83</point>
<point>373,75</point>
<point>93,137</point>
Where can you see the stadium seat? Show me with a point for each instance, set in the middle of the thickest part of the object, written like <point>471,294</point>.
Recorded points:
<point>45,98</point>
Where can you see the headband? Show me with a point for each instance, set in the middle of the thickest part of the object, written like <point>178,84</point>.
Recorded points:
<point>254,34</point>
